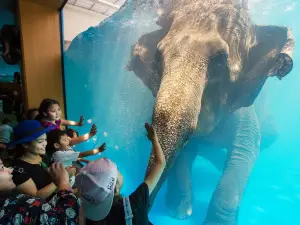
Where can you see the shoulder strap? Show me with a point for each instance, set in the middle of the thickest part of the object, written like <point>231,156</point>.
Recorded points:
<point>127,211</point>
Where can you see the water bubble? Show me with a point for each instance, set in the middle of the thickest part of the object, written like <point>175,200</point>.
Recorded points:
<point>259,209</point>
<point>94,139</point>
<point>105,134</point>
<point>85,85</point>
<point>88,141</point>
<point>89,121</point>
<point>116,147</point>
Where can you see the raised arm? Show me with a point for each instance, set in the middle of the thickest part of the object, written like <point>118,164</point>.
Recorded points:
<point>73,123</point>
<point>85,137</point>
<point>92,152</point>
<point>160,161</point>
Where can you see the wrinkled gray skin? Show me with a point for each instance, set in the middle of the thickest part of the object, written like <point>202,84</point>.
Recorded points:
<point>207,61</point>
<point>239,133</point>
<point>218,148</point>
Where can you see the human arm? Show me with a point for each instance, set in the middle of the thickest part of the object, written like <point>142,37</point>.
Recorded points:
<point>85,137</point>
<point>30,188</point>
<point>159,158</point>
<point>72,123</point>
<point>92,152</point>
<point>83,160</point>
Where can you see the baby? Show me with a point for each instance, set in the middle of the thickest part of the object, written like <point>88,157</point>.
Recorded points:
<point>59,150</point>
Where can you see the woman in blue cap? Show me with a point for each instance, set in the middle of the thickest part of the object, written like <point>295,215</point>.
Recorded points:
<point>30,173</point>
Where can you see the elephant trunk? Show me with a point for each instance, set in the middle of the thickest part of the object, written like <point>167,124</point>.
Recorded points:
<point>177,107</point>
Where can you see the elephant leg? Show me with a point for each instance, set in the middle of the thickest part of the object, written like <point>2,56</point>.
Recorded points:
<point>242,154</point>
<point>179,186</point>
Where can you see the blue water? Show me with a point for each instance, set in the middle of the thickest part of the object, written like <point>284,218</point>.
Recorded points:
<point>98,87</point>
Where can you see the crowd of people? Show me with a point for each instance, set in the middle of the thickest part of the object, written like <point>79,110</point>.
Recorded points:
<point>43,184</point>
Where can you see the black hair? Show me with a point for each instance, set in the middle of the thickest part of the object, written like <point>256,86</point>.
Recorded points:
<point>70,133</point>
<point>6,121</point>
<point>53,137</point>
<point>44,106</point>
<point>30,113</point>
<point>19,150</point>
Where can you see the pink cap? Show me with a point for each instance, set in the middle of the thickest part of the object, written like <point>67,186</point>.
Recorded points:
<point>96,183</point>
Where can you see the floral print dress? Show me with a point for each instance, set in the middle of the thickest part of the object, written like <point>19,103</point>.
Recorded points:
<point>62,209</point>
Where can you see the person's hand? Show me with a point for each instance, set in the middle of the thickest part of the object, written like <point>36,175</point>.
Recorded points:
<point>102,147</point>
<point>71,171</point>
<point>93,130</point>
<point>80,123</point>
<point>151,134</point>
<point>59,175</point>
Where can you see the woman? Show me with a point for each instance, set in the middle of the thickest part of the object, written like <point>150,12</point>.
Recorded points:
<point>30,171</point>
<point>23,209</point>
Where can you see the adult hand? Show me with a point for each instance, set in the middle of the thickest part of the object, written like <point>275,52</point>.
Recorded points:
<point>59,175</point>
<point>151,134</point>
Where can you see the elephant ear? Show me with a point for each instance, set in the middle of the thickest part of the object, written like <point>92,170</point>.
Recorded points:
<point>145,60</point>
<point>273,41</point>
<point>270,55</point>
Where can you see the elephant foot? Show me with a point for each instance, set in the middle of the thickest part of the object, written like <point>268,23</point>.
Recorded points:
<point>180,206</point>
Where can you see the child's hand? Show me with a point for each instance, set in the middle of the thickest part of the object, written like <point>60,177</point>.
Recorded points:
<point>151,134</point>
<point>93,131</point>
<point>80,123</point>
<point>102,147</point>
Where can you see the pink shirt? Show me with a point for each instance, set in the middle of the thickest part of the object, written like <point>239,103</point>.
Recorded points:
<point>47,124</point>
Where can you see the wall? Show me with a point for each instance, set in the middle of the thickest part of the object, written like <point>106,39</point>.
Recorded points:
<point>41,47</point>
<point>77,20</point>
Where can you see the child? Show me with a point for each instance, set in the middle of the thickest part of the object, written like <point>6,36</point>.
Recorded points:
<point>49,115</point>
<point>76,139</point>
<point>99,184</point>
<point>31,114</point>
<point>72,133</point>
<point>59,150</point>
<point>5,131</point>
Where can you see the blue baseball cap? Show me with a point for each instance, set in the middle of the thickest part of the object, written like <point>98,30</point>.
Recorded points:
<point>27,131</point>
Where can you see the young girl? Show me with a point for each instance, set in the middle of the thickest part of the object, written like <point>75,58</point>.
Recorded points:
<point>49,115</point>
<point>59,150</point>
<point>99,184</point>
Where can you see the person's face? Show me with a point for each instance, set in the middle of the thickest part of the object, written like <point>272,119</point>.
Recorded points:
<point>38,146</point>
<point>6,182</point>
<point>54,112</point>
<point>75,135</point>
<point>63,143</point>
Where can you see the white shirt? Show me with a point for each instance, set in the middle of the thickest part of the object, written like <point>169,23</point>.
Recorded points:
<point>65,157</point>
<point>5,133</point>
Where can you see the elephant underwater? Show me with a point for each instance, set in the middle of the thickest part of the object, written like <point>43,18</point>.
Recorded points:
<point>205,67</point>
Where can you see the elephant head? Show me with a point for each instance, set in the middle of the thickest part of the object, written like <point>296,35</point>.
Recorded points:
<point>207,60</point>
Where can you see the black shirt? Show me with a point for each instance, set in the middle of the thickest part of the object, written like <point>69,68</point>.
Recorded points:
<point>139,201</point>
<point>23,171</point>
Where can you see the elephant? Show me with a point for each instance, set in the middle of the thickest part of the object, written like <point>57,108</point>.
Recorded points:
<point>239,127</point>
<point>205,63</point>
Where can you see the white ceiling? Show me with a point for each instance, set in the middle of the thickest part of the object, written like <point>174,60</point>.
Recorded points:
<point>104,7</point>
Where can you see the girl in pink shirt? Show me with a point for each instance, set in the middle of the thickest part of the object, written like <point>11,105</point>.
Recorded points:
<point>49,116</point>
